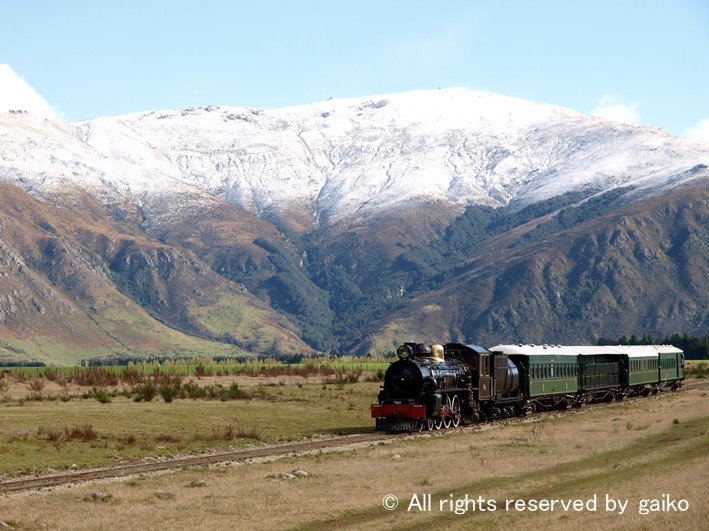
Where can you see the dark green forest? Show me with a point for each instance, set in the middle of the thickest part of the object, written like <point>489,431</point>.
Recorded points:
<point>345,286</point>
<point>694,347</point>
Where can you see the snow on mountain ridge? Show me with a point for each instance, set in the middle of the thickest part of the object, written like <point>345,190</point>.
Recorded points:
<point>336,158</point>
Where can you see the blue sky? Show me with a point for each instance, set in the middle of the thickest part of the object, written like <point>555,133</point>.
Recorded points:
<point>642,61</point>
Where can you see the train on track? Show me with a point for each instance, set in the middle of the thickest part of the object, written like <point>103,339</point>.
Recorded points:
<point>441,386</point>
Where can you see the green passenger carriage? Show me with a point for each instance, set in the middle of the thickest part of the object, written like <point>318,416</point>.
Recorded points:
<point>548,373</point>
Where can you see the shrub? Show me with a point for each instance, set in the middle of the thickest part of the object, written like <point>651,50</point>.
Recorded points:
<point>145,391</point>
<point>51,374</point>
<point>192,390</point>
<point>169,390</point>
<point>53,435</point>
<point>342,377</point>
<point>83,433</point>
<point>131,376</point>
<point>94,376</point>
<point>36,385</point>
<point>377,376</point>
<point>234,393</point>
<point>100,394</point>
<point>212,391</point>
<point>201,370</point>
<point>127,440</point>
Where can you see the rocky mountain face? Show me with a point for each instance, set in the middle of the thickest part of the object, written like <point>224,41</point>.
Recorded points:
<point>345,225</point>
<point>573,276</point>
<point>75,284</point>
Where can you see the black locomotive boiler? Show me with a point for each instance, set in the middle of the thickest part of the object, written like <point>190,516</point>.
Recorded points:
<point>432,387</point>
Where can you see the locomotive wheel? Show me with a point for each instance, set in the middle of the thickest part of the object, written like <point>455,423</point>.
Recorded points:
<point>455,410</point>
<point>430,424</point>
<point>449,410</point>
<point>439,423</point>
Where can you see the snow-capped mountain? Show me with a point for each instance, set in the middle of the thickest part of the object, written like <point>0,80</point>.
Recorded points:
<point>326,161</point>
<point>287,231</point>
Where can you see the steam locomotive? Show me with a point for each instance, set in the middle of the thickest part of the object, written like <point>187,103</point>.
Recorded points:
<point>441,386</point>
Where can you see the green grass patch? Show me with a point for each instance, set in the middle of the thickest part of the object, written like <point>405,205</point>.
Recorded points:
<point>128,430</point>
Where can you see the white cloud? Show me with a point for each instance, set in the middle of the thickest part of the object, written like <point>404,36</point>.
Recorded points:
<point>610,108</point>
<point>17,94</point>
<point>700,132</point>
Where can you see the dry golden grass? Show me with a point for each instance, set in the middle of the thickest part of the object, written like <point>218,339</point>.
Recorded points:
<point>17,390</point>
<point>573,455</point>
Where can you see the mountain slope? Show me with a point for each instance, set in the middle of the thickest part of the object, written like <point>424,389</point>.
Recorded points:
<point>347,224</point>
<point>608,270</point>
<point>74,286</point>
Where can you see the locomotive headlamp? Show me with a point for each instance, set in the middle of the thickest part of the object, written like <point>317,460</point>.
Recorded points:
<point>404,351</point>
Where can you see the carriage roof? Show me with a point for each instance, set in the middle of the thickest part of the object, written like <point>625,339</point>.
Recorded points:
<point>632,351</point>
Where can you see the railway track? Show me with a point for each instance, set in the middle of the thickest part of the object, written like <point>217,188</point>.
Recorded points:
<point>130,469</point>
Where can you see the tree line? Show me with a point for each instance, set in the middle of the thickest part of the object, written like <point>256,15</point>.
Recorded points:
<point>694,347</point>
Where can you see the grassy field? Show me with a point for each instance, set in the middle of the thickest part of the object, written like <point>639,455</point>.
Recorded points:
<point>251,368</point>
<point>630,451</point>
<point>696,369</point>
<point>39,434</point>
